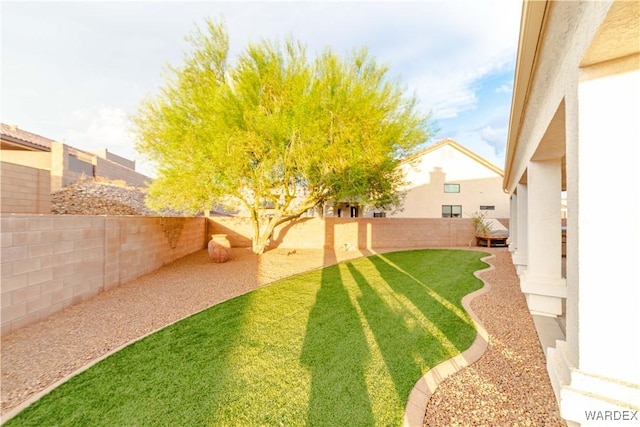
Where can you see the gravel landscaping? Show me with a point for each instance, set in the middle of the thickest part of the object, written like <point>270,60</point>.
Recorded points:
<point>507,386</point>
<point>91,197</point>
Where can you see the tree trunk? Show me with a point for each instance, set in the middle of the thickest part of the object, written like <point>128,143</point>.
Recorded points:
<point>260,244</point>
<point>261,241</point>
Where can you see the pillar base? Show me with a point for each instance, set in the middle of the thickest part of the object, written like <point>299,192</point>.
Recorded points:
<point>544,295</point>
<point>519,261</point>
<point>587,398</point>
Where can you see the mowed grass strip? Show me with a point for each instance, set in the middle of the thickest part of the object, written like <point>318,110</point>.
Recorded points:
<point>339,346</point>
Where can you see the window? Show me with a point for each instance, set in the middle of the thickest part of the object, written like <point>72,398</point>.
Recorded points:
<point>379,215</point>
<point>452,188</point>
<point>451,211</point>
<point>487,208</point>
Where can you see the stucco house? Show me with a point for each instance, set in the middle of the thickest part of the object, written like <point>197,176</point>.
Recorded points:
<point>574,128</point>
<point>65,163</point>
<point>443,180</point>
<point>447,180</point>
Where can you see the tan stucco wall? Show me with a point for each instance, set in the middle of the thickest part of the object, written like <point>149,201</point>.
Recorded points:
<point>33,159</point>
<point>580,111</point>
<point>556,75</point>
<point>427,175</point>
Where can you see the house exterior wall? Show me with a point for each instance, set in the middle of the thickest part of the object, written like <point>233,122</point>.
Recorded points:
<point>24,189</point>
<point>66,164</point>
<point>426,175</point>
<point>64,174</point>
<point>32,159</point>
<point>52,261</point>
<point>576,105</point>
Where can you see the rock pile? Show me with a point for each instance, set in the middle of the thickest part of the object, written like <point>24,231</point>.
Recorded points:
<point>101,198</point>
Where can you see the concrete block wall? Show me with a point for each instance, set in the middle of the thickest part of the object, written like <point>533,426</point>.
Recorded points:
<point>364,233</point>
<point>24,189</point>
<point>116,169</point>
<point>140,245</point>
<point>50,262</point>
<point>105,168</point>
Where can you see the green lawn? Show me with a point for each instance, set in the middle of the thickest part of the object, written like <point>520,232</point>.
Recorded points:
<point>341,346</point>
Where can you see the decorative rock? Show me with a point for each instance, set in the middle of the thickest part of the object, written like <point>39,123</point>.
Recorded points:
<point>88,197</point>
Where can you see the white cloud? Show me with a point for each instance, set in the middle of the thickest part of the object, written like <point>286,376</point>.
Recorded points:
<point>99,127</point>
<point>495,137</point>
<point>505,88</point>
<point>96,128</point>
<point>477,40</point>
<point>99,58</point>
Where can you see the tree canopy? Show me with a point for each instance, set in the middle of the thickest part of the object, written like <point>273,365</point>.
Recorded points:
<point>276,128</point>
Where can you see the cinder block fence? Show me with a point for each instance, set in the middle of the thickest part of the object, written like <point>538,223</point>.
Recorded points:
<point>364,233</point>
<point>50,262</point>
<point>24,189</point>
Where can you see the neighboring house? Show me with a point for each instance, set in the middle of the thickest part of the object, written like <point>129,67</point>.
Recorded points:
<point>447,180</point>
<point>574,128</point>
<point>444,180</point>
<point>66,164</point>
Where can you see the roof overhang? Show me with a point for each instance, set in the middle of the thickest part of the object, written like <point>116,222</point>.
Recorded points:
<point>531,28</point>
<point>10,143</point>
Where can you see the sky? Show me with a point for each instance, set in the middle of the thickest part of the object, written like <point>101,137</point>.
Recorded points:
<point>77,71</point>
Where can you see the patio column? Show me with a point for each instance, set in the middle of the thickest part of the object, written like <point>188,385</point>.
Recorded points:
<point>520,257</point>
<point>513,224</point>
<point>542,283</point>
<point>597,368</point>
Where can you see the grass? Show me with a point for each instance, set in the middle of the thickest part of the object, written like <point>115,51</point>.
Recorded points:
<point>339,346</point>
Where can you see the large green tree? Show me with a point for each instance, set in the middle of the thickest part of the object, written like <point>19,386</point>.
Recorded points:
<point>276,128</point>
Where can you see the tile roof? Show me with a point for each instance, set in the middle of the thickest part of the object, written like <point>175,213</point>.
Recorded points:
<point>28,139</point>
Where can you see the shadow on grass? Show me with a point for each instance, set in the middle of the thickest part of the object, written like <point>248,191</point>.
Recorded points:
<point>376,328</point>
<point>398,334</point>
<point>438,289</point>
<point>338,394</point>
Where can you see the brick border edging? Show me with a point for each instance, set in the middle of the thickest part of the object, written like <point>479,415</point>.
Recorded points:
<point>424,388</point>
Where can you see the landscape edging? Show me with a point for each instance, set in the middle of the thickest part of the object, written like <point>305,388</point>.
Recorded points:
<point>424,388</point>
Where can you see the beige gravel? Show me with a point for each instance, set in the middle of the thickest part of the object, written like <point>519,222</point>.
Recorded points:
<point>508,386</point>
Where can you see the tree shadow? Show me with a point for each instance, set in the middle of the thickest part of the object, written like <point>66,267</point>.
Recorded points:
<point>433,278</point>
<point>443,309</point>
<point>414,329</point>
<point>388,326</point>
<point>335,350</point>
